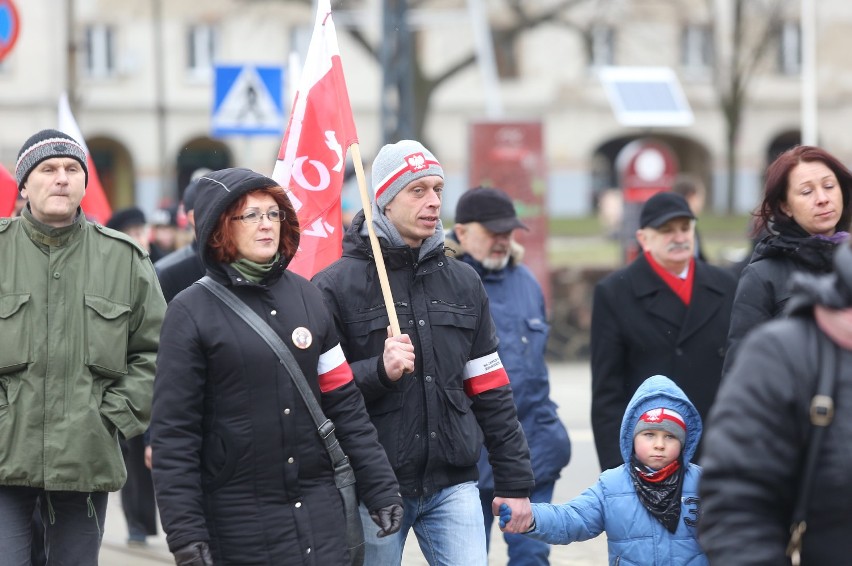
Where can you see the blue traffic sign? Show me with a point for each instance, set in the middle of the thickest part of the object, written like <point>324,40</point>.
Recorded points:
<point>248,100</point>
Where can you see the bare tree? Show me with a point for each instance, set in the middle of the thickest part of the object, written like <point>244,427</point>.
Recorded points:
<point>745,31</point>
<point>520,16</point>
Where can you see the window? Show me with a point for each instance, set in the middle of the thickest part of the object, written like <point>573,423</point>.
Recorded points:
<point>202,50</point>
<point>601,44</point>
<point>790,49</point>
<point>100,50</point>
<point>696,50</point>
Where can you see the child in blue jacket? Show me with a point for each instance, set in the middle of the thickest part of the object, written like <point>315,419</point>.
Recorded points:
<point>649,505</point>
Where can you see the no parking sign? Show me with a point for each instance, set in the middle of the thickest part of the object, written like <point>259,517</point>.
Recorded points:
<point>9,27</point>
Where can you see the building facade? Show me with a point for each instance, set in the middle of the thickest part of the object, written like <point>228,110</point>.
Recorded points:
<point>140,77</point>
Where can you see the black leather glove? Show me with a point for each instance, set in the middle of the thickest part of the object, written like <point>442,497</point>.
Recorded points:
<point>194,554</point>
<point>389,519</point>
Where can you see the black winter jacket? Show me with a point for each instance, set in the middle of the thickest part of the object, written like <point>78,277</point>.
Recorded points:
<point>764,286</point>
<point>428,425</point>
<point>179,270</point>
<point>237,459</point>
<point>641,328</point>
<point>754,446</point>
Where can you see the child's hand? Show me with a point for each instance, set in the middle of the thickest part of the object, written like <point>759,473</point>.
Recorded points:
<point>515,514</point>
<point>505,515</point>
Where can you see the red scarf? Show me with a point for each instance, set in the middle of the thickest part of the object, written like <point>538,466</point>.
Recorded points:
<point>681,287</point>
<point>659,475</point>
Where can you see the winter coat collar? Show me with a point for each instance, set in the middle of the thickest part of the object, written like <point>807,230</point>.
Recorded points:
<point>789,240</point>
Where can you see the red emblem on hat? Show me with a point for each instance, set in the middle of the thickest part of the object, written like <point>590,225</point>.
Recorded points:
<point>416,161</point>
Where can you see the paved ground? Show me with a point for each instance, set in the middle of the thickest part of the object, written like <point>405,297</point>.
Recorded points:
<point>571,390</point>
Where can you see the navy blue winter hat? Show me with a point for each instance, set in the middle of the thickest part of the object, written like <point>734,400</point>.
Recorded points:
<point>45,145</point>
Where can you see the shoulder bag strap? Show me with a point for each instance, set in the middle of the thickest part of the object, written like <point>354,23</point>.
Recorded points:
<point>325,427</point>
<point>821,415</point>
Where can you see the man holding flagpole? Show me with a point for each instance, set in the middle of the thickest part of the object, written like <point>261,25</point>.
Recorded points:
<point>435,389</point>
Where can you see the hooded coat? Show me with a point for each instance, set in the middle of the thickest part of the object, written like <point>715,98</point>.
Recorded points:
<point>634,536</point>
<point>758,437</point>
<point>237,459</point>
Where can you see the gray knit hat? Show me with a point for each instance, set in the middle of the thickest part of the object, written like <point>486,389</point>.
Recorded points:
<point>45,145</point>
<point>662,419</point>
<point>397,165</point>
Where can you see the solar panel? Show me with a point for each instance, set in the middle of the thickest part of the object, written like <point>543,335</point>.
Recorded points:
<point>646,96</point>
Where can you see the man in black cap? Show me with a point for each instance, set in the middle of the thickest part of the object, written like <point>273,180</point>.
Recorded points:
<point>483,237</point>
<point>665,314</point>
<point>80,316</point>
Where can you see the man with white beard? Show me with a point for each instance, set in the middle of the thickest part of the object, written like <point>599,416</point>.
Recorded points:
<point>483,238</point>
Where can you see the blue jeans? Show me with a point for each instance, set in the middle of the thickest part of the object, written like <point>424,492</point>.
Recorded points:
<point>73,525</point>
<point>448,525</point>
<point>523,551</point>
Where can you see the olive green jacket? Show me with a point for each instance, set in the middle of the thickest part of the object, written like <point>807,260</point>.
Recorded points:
<point>80,316</point>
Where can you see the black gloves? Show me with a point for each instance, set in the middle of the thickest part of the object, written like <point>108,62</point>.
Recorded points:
<point>389,519</point>
<point>196,554</point>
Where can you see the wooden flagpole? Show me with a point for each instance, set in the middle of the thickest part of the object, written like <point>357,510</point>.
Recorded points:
<point>374,241</point>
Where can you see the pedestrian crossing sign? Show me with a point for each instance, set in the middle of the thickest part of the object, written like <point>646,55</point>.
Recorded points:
<point>248,101</point>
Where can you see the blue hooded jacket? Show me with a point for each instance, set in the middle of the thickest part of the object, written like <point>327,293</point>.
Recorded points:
<point>634,536</point>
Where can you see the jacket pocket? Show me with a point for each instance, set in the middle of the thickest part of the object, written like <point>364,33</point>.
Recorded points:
<point>106,323</point>
<point>218,460</point>
<point>458,441</point>
<point>386,414</point>
<point>15,330</point>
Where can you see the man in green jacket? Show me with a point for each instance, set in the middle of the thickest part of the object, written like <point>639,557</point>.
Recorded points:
<point>80,316</point>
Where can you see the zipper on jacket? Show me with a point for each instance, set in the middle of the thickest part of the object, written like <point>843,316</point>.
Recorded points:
<point>440,302</point>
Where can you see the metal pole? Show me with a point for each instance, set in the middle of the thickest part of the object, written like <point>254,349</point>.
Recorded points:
<point>160,96</point>
<point>485,56</point>
<point>397,77</point>
<point>71,72</point>
<point>810,133</point>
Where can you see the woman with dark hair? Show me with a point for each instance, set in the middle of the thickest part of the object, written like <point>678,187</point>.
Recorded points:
<point>241,473</point>
<point>806,212</point>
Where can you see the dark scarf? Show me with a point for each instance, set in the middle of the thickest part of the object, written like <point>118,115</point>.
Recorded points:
<point>659,490</point>
<point>812,253</point>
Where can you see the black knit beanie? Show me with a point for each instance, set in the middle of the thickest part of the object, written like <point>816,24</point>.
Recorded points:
<point>45,145</point>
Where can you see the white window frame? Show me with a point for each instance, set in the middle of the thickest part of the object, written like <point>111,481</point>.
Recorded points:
<point>202,40</point>
<point>696,49</point>
<point>790,49</point>
<point>602,46</point>
<point>100,61</point>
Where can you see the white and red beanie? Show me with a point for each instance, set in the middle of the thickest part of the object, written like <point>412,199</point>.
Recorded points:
<point>397,165</point>
<point>662,419</point>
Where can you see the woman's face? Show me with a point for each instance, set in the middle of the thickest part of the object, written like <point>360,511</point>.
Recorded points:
<point>257,242</point>
<point>814,198</point>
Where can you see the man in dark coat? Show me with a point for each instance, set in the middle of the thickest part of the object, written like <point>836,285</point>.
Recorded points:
<point>433,391</point>
<point>665,313</point>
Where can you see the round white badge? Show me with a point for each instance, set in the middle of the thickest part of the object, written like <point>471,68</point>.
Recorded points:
<point>302,338</point>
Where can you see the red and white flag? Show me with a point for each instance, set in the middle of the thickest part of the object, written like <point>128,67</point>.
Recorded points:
<point>312,158</point>
<point>95,204</point>
<point>8,192</point>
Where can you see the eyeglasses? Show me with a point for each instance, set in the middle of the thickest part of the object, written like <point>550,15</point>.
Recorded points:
<point>253,216</point>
